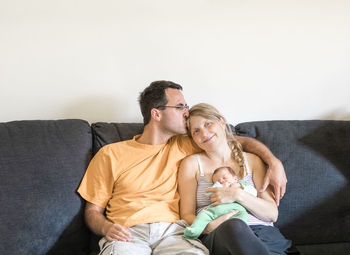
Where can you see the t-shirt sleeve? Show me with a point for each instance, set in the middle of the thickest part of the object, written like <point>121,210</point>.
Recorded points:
<point>98,181</point>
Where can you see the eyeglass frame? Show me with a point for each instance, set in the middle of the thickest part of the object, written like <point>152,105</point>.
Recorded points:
<point>179,107</point>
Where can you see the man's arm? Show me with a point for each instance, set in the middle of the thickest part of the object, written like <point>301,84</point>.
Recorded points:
<point>98,223</point>
<point>275,174</point>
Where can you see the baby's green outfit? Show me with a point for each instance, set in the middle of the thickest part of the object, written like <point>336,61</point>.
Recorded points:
<point>213,212</point>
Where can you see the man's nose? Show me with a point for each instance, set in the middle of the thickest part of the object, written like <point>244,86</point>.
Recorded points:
<point>186,113</point>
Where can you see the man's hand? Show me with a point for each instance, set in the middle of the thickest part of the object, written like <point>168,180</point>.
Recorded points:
<point>276,177</point>
<point>100,225</point>
<point>224,195</point>
<point>116,232</point>
<point>215,223</point>
<point>275,174</point>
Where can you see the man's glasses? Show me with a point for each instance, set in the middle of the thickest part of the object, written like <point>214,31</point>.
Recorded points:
<point>179,107</point>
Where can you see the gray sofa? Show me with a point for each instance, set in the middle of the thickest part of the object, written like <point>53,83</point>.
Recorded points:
<point>43,162</point>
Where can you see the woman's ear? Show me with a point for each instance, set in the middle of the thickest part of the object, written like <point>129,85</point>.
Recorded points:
<point>223,121</point>
<point>156,114</point>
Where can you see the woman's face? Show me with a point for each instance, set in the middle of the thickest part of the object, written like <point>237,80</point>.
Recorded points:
<point>207,133</point>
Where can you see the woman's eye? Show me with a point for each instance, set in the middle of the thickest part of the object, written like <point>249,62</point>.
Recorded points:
<point>195,132</point>
<point>207,124</point>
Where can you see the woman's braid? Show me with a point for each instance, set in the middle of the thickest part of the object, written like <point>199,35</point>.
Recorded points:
<point>237,152</point>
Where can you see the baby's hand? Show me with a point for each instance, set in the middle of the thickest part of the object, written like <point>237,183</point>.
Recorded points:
<point>229,184</point>
<point>216,185</point>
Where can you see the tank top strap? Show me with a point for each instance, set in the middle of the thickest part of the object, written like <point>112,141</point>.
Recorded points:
<point>249,171</point>
<point>199,165</point>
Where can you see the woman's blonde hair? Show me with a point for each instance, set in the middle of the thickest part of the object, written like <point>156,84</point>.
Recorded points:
<point>208,111</point>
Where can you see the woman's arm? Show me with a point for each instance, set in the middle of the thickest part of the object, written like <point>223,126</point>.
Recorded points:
<point>275,174</point>
<point>187,185</point>
<point>264,206</point>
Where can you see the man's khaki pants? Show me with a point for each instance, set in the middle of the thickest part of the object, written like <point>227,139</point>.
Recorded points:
<point>159,238</point>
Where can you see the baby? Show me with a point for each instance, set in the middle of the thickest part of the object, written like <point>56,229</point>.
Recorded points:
<point>225,177</point>
<point>222,177</point>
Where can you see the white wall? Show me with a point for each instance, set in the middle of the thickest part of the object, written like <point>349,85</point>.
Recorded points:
<point>254,60</point>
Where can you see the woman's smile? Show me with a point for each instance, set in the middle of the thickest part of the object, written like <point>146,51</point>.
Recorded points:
<point>208,139</point>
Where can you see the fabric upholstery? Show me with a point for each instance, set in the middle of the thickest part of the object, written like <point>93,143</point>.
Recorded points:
<point>106,133</point>
<point>43,162</point>
<point>41,166</point>
<point>315,154</point>
<point>325,249</point>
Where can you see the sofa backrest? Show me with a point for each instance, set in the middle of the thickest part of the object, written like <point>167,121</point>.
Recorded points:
<point>316,157</point>
<point>106,133</point>
<point>41,166</point>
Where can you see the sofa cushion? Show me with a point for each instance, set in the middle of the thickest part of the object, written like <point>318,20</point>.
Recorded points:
<point>41,166</point>
<point>315,154</point>
<point>325,248</point>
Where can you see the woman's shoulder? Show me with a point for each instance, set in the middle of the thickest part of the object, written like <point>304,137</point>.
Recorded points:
<point>190,160</point>
<point>189,167</point>
<point>252,158</point>
<point>256,165</point>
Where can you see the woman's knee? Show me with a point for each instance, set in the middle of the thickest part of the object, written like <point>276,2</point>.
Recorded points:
<point>233,227</point>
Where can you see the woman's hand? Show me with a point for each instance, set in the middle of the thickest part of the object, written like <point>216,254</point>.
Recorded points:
<point>215,223</point>
<point>225,195</point>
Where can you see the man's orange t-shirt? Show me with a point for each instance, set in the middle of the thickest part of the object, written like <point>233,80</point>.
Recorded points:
<point>136,183</point>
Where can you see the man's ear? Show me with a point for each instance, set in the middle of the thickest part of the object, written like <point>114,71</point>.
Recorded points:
<point>156,114</point>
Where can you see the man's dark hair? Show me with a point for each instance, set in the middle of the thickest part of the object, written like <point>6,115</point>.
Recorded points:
<point>154,96</point>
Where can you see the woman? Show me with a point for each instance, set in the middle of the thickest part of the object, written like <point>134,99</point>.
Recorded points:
<point>209,131</point>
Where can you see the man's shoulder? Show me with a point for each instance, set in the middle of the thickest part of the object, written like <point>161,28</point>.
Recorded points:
<point>184,143</point>
<point>179,139</point>
<point>117,146</point>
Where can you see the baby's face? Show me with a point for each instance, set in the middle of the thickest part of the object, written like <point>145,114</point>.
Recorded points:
<point>224,177</point>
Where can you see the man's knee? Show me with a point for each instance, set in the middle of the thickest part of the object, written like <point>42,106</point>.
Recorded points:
<point>123,248</point>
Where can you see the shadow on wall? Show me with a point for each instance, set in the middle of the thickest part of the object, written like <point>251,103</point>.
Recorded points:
<point>337,114</point>
<point>104,108</point>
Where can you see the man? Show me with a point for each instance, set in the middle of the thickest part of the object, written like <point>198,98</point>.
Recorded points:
<point>134,181</point>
